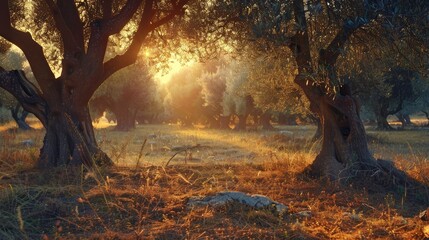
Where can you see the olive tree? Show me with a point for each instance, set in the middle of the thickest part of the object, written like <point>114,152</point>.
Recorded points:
<point>80,31</point>
<point>318,35</point>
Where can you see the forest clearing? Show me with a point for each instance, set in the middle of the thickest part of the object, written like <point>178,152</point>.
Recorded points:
<point>217,119</point>
<point>141,198</point>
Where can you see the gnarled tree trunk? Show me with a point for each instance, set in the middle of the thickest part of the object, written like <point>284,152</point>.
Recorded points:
<point>70,140</point>
<point>382,113</point>
<point>344,145</point>
<point>69,135</point>
<point>344,152</point>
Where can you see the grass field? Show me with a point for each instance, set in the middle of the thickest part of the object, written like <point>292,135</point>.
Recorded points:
<point>142,198</point>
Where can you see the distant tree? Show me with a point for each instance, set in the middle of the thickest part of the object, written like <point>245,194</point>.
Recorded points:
<point>126,93</point>
<point>271,86</point>
<point>401,83</point>
<point>236,101</point>
<point>184,101</point>
<point>384,79</point>
<point>213,90</point>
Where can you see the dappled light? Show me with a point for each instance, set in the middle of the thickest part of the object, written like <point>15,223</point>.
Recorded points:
<point>220,119</point>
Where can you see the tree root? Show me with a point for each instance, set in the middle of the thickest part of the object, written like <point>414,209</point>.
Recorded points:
<point>380,176</point>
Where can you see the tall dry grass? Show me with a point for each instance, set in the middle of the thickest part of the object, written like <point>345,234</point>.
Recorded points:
<point>141,199</point>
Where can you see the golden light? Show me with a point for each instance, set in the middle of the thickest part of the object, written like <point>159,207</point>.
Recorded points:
<point>147,53</point>
<point>174,64</point>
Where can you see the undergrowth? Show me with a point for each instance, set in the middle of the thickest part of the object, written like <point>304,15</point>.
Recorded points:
<point>149,201</point>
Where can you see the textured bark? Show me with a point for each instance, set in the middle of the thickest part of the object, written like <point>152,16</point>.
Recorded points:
<point>20,117</point>
<point>344,145</point>
<point>70,140</point>
<point>344,154</point>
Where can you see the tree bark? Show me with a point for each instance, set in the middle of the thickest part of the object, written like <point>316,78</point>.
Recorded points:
<point>20,117</point>
<point>344,145</point>
<point>70,140</point>
<point>382,114</point>
<point>344,154</point>
<point>69,137</point>
<point>383,124</point>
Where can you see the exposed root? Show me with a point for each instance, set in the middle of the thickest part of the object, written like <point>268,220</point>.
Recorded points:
<point>380,176</point>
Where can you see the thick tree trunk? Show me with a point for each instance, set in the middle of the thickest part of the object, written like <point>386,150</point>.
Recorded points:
<point>319,130</point>
<point>69,141</point>
<point>266,121</point>
<point>125,120</point>
<point>404,119</point>
<point>383,124</point>
<point>345,155</point>
<point>344,146</point>
<point>241,125</point>
<point>224,122</point>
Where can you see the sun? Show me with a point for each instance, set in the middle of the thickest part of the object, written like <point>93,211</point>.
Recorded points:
<point>174,64</point>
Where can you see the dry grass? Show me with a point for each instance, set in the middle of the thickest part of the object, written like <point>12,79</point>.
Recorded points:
<point>149,201</point>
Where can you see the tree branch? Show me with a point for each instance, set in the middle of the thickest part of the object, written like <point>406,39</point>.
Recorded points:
<point>25,92</point>
<point>32,50</point>
<point>69,42</point>
<point>71,18</point>
<point>107,8</point>
<point>329,55</point>
<point>101,29</point>
<point>115,23</point>
<point>300,47</point>
<point>145,27</point>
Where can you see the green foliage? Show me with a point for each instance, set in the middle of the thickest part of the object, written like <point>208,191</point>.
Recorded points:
<point>271,85</point>
<point>10,60</point>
